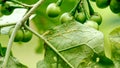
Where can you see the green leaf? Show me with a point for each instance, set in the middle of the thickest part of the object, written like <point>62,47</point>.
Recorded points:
<point>114,37</point>
<point>76,42</point>
<point>13,63</point>
<point>49,59</point>
<point>43,64</point>
<point>81,57</point>
<point>73,34</point>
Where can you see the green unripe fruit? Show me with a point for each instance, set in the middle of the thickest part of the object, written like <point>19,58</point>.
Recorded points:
<point>102,3</point>
<point>18,36</point>
<point>91,24</point>
<point>53,10</point>
<point>66,17</point>
<point>80,17</point>
<point>27,36</point>
<point>115,6</point>
<point>97,18</point>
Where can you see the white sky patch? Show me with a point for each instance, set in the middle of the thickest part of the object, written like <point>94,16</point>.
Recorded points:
<point>16,16</point>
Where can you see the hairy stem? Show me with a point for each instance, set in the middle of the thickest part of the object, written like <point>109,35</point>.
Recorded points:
<point>49,44</point>
<point>17,26</point>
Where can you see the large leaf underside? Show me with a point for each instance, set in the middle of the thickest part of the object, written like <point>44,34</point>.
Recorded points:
<point>77,43</point>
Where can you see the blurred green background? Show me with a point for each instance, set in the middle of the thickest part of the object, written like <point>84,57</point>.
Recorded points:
<point>26,52</point>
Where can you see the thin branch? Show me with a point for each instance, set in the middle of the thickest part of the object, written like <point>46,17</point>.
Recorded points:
<point>8,24</point>
<point>23,4</point>
<point>17,26</point>
<point>49,44</point>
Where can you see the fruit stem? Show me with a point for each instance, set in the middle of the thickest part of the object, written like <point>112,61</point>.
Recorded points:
<point>17,26</point>
<point>49,44</point>
<point>72,12</point>
<point>90,8</point>
<point>59,2</point>
<point>79,9</point>
<point>84,9</point>
<point>23,4</point>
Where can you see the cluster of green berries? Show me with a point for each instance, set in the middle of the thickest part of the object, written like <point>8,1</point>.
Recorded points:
<point>113,4</point>
<point>53,10</point>
<point>22,35</point>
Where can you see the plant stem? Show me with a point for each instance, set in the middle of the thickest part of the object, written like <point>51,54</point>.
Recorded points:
<point>90,8</point>
<point>23,4</point>
<point>59,2</point>
<point>5,25</point>
<point>72,12</point>
<point>85,10</point>
<point>49,44</point>
<point>17,26</point>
